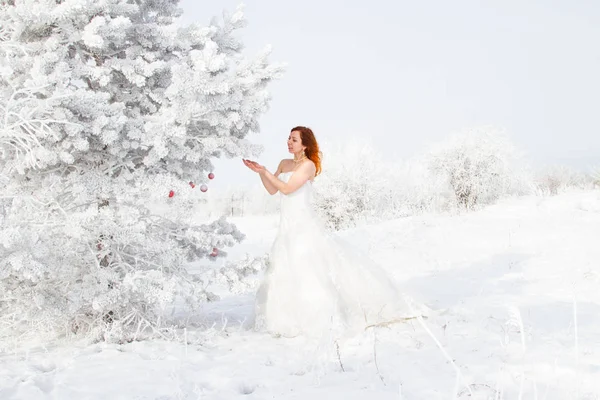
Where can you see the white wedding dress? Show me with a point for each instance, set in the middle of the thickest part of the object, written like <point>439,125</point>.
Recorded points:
<point>316,284</point>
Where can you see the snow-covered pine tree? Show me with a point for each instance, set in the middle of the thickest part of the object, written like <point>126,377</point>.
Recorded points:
<point>108,109</point>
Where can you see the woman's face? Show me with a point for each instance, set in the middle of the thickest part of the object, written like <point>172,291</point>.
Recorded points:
<point>295,142</point>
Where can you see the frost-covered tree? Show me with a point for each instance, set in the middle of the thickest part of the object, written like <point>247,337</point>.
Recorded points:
<point>357,184</point>
<point>110,113</point>
<point>344,190</point>
<point>595,177</point>
<point>554,179</point>
<point>479,166</point>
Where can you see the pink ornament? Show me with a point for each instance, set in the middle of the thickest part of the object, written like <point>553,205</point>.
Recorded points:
<point>214,252</point>
<point>211,176</point>
<point>203,188</point>
<point>192,185</point>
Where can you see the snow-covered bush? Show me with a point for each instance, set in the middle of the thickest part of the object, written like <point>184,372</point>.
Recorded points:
<point>108,109</point>
<point>357,184</point>
<point>349,184</point>
<point>595,177</point>
<point>554,179</point>
<point>478,166</point>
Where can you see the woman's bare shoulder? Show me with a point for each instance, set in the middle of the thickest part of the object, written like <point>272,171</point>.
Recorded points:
<point>285,164</point>
<point>308,163</point>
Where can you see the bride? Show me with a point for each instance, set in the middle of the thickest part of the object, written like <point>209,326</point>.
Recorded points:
<point>316,284</point>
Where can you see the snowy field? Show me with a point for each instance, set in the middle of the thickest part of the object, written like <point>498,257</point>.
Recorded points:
<point>520,283</point>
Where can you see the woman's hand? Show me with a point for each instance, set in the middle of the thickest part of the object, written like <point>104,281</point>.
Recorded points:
<point>254,166</point>
<point>264,174</point>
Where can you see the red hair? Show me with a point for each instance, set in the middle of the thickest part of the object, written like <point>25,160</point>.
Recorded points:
<point>312,147</point>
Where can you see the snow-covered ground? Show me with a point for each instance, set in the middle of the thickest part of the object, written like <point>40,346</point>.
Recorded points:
<point>520,283</point>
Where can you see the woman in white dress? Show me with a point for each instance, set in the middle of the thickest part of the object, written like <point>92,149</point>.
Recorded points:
<point>316,284</point>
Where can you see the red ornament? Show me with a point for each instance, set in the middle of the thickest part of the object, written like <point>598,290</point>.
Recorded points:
<point>214,252</point>
<point>203,188</point>
<point>171,193</point>
<point>192,185</point>
<point>211,176</point>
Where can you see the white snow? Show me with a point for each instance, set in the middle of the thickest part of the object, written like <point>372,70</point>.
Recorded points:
<point>519,282</point>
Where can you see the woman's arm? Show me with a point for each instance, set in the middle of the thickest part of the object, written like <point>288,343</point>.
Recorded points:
<point>254,166</point>
<point>272,189</point>
<point>305,172</point>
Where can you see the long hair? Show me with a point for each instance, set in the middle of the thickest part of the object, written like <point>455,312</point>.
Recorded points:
<point>312,147</point>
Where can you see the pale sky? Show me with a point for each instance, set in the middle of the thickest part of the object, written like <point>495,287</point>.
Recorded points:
<point>410,73</point>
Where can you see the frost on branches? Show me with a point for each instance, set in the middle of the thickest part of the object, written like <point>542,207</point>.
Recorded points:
<point>108,109</point>
<point>555,179</point>
<point>479,167</point>
<point>595,177</point>
<point>358,185</point>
